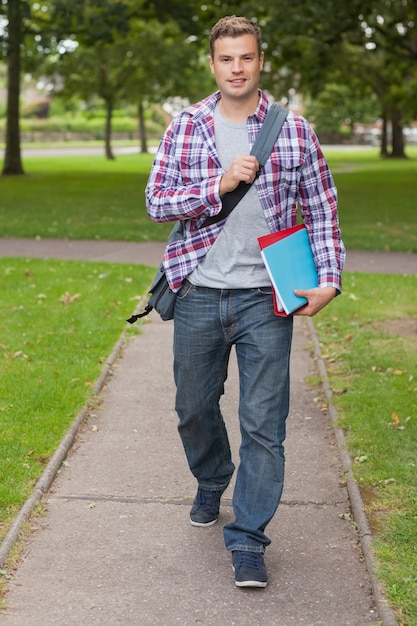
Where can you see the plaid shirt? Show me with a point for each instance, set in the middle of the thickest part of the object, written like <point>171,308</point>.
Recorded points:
<point>185,178</point>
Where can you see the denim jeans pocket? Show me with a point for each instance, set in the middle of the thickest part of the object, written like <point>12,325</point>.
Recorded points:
<point>184,290</point>
<point>264,291</point>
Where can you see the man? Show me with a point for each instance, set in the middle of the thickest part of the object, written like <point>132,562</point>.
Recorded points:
<point>224,293</point>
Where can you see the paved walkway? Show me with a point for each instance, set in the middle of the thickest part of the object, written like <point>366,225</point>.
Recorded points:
<point>116,546</point>
<point>150,253</point>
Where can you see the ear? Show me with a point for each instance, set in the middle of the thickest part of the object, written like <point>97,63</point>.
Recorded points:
<point>261,60</point>
<point>211,64</point>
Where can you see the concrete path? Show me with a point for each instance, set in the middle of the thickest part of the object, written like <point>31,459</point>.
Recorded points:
<point>116,545</point>
<point>150,253</point>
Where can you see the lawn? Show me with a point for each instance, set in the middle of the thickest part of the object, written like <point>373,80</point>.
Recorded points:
<point>50,339</point>
<point>369,343</point>
<point>91,198</point>
<point>80,198</point>
<point>376,200</point>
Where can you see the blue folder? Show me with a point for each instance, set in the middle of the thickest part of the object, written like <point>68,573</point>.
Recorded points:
<point>290,265</point>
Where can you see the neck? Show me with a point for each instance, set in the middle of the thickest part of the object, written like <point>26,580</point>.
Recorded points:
<point>237,111</point>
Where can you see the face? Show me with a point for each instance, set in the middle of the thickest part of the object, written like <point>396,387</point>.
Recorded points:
<point>236,66</point>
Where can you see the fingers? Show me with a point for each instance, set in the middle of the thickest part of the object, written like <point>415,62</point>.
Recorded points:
<point>317,299</point>
<point>243,168</point>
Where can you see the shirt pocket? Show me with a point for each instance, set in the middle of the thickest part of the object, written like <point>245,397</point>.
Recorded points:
<point>284,168</point>
<point>197,165</point>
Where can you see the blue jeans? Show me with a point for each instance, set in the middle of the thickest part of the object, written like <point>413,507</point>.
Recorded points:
<point>207,323</point>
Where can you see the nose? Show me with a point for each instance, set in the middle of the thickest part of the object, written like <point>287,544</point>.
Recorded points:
<point>236,66</point>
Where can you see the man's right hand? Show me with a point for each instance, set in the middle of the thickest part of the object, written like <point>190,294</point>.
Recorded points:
<point>243,168</point>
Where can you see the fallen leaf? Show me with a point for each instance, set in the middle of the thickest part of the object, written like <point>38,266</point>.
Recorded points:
<point>43,459</point>
<point>361,459</point>
<point>19,354</point>
<point>346,516</point>
<point>395,420</point>
<point>67,298</point>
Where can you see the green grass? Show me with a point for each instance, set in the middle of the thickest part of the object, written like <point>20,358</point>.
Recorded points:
<point>80,198</point>
<point>369,343</point>
<point>376,201</point>
<point>91,198</point>
<point>59,322</point>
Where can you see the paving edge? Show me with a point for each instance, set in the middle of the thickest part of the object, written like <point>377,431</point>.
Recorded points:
<point>50,472</point>
<point>385,611</point>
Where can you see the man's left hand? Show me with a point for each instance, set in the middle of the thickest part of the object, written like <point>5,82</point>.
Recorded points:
<point>317,298</point>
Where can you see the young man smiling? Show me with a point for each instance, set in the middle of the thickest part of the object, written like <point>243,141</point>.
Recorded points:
<point>224,293</point>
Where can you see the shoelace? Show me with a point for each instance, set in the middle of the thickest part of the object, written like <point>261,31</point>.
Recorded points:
<point>249,559</point>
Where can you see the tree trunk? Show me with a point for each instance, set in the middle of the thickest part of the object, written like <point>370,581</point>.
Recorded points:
<point>142,132</point>
<point>109,114</point>
<point>384,136</point>
<point>12,159</point>
<point>398,151</point>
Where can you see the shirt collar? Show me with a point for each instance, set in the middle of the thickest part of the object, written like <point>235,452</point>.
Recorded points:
<point>262,108</point>
<point>207,106</point>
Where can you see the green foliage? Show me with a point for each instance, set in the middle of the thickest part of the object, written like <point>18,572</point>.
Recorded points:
<point>368,337</point>
<point>61,321</point>
<point>337,107</point>
<point>372,43</point>
<point>77,124</point>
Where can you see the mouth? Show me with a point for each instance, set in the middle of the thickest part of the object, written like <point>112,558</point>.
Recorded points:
<point>237,81</point>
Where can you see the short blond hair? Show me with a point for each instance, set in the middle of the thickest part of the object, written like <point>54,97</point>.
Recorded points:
<point>234,26</point>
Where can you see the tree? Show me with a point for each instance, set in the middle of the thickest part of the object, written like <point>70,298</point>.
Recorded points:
<point>36,29</point>
<point>150,63</point>
<point>341,104</point>
<point>12,43</point>
<point>163,63</point>
<point>311,41</point>
<point>93,71</point>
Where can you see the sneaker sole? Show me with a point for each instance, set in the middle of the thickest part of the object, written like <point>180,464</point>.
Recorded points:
<point>203,525</point>
<point>250,583</point>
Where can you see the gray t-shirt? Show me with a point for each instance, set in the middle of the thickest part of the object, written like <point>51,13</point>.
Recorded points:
<point>234,260</point>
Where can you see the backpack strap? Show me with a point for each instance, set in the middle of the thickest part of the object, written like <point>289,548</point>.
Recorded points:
<point>262,149</point>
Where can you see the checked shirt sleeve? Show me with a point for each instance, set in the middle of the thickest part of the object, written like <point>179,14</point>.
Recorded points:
<point>184,181</point>
<point>318,203</point>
